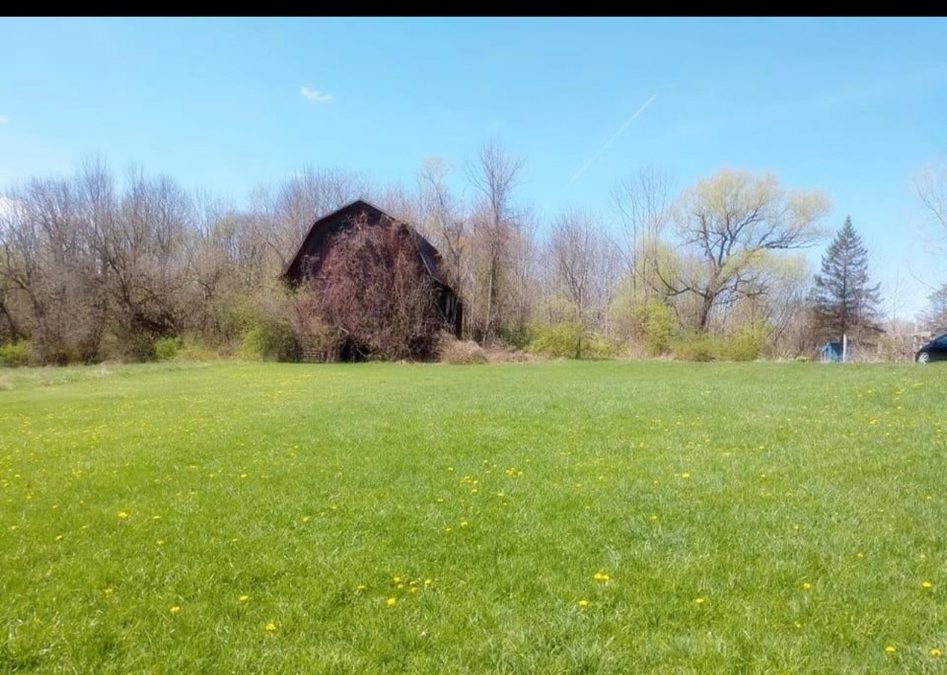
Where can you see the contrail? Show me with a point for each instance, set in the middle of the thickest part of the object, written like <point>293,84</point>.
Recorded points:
<point>612,139</point>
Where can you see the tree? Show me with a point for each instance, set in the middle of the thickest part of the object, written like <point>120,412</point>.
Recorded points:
<point>844,300</point>
<point>727,226</point>
<point>934,318</point>
<point>497,233</point>
<point>930,186</point>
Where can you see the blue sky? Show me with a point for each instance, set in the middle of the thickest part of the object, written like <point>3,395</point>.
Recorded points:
<point>855,107</point>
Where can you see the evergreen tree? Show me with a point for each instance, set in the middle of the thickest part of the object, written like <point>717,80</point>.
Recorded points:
<point>844,300</point>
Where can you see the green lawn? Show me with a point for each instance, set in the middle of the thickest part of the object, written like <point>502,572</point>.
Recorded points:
<point>429,518</point>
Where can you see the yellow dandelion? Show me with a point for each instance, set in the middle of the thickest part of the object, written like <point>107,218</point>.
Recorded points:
<point>391,602</point>
<point>397,580</point>
<point>58,537</point>
<point>174,609</point>
<point>890,649</point>
<point>428,582</point>
<point>269,627</point>
<point>806,586</point>
<point>464,523</point>
<point>244,598</point>
<point>306,519</point>
<point>927,585</point>
<point>108,591</point>
<point>122,514</point>
<point>700,601</point>
<point>583,603</point>
<point>935,652</point>
<point>600,576</point>
<point>685,475</point>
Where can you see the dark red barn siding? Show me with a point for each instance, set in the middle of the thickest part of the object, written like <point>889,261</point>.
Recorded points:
<point>317,247</point>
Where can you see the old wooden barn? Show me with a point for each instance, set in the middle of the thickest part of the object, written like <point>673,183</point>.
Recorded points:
<point>317,248</point>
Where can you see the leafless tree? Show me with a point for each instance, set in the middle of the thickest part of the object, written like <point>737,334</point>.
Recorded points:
<point>496,223</point>
<point>930,186</point>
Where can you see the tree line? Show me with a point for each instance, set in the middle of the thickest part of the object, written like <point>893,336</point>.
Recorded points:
<point>98,266</point>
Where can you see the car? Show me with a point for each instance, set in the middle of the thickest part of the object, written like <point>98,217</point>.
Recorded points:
<point>935,350</point>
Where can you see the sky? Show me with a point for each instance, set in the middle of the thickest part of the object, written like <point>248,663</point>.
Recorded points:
<point>855,107</point>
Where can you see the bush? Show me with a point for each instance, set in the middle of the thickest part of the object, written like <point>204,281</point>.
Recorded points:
<point>452,350</point>
<point>15,354</point>
<point>167,348</point>
<point>561,340</point>
<point>270,340</point>
<point>744,345</point>
<point>570,340</point>
<point>697,347</point>
<point>657,323</point>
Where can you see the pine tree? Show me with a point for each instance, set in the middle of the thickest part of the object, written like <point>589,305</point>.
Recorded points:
<point>844,301</point>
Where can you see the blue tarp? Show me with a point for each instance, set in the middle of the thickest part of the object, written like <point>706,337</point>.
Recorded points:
<point>831,351</point>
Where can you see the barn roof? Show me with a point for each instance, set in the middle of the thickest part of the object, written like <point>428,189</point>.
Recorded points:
<point>426,251</point>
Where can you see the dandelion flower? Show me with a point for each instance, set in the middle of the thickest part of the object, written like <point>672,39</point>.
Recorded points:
<point>244,598</point>
<point>699,601</point>
<point>397,580</point>
<point>464,523</point>
<point>806,586</point>
<point>122,514</point>
<point>391,602</point>
<point>685,475</point>
<point>890,649</point>
<point>583,603</point>
<point>174,609</point>
<point>108,591</point>
<point>927,585</point>
<point>428,582</point>
<point>270,627</point>
<point>600,576</point>
<point>935,652</point>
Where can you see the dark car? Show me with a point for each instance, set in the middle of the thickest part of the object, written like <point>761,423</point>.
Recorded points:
<point>935,350</point>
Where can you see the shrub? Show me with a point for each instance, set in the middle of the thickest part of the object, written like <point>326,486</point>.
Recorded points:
<point>167,348</point>
<point>744,345</point>
<point>570,340</point>
<point>15,354</point>
<point>452,350</point>
<point>561,340</point>
<point>695,347</point>
<point>270,340</point>
<point>657,323</point>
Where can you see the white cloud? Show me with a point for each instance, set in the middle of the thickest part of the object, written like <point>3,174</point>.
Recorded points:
<point>4,120</point>
<point>315,95</point>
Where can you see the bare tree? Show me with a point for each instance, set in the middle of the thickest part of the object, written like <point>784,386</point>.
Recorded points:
<point>494,177</point>
<point>730,223</point>
<point>643,201</point>
<point>930,186</point>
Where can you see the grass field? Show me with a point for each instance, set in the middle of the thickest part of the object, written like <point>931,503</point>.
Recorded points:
<point>552,517</point>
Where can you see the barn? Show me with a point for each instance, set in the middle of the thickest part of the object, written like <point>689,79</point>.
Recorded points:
<point>319,244</point>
